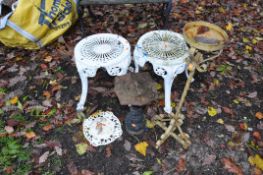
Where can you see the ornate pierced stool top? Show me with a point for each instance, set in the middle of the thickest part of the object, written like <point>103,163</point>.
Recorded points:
<point>104,50</point>
<point>167,52</point>
<point>102,128</point>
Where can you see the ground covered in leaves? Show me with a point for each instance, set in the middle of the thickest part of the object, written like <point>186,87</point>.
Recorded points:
<point>40,131</point>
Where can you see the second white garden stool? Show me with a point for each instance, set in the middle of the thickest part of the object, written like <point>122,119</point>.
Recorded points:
<point>167,52</point>
<point>109,51</point>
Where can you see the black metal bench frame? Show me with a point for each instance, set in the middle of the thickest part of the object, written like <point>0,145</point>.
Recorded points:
<point>166,10</point>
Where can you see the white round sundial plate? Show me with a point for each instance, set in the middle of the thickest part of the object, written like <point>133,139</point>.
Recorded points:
<point>102,128</point>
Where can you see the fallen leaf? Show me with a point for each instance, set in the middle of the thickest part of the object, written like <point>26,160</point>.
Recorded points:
<point>161,102</point>
<point>108,151</point>
<point>231,167</point>
<point>72,168</point>
<point>227,110</point>
<point>230,128</point>
<point>43,157</point>
<point>257,171</point>
<point>58,150</point>
<point>229,26</point>
<point>149,124</point>
<point>184,1</point>
<point>245,40</point>
<point>9,129</point>
<point>257,135</point>
<point>147,173</point>
<point>141,147</point>
<point>30,135</point>
<point>13,100</point>
<point>47,94</point>
<point>256,160</point>
<point>43,66</point>
<point>252,94</point>
<point>48,59</point>
<point>9,169</point>
<point>220,121</point>
<point>209,159</point>
<point>180,167</point>
<point>248,48</point>
<point>47,127</point>
<point>159,86</point>
<point>202,30</point>
<point>259,115</point>
<point>87,172</point>
<point>142,25</point>
<point>211,111</point>
<point>243,126</point>
<point>127,145</point>
<point>12,122</point>
<point>81,148</point>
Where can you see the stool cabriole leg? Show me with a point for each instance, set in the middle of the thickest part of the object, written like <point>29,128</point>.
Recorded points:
<point>168,82</point>
<point>84,91</point>
<point>136,65</point>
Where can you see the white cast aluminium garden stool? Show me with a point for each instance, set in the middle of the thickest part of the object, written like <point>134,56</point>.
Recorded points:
<point>109,51</point>
<point>167,52</point>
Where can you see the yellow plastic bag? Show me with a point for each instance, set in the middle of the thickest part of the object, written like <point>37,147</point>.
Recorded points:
<point>35,23</point>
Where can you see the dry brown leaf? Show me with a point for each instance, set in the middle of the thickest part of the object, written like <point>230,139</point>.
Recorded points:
<point>108,151</point>
<point>47,127</point>
<point>87,172</point>
<point>227,110</point>
<point>231,167</point>
<point>48,59</point>
<point>257,135</point>
<point>43,157</point>
<point>47,94</point>
<point>30,135</point>
<point>259,115</point>
<point>184,1</point>
<point>180,167</point>
<point>72,168</point>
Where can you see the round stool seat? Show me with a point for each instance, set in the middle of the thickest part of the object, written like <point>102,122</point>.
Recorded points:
<point>109,51</point>
<point>167,52</point>
<point>101,50</point>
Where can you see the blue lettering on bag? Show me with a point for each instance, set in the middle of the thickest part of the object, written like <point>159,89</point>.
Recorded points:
<point>55,13</point>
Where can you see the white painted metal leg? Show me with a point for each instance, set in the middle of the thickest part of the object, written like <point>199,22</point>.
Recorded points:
<point>168,82</point>
<point>84,92</point>
<point>136,67</point>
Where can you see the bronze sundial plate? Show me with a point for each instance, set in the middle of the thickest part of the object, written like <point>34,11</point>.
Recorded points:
<point>204,36</point>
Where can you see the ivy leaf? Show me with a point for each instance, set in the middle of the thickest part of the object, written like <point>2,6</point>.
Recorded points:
<point>141,147</point>
<point>211,111</point>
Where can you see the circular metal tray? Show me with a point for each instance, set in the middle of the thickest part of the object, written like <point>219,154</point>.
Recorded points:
<point>205,36</point>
